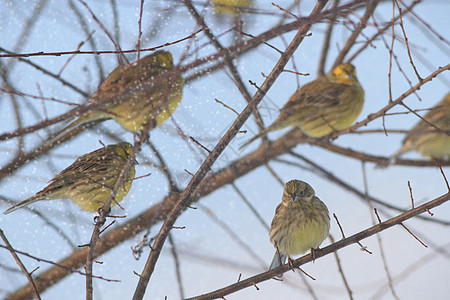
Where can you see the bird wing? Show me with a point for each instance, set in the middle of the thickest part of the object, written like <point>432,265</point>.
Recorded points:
<point>97,162</point>
<point>121,82</point>
<point>436,116</point>
<point>319,96</point>
<point>277,213</point>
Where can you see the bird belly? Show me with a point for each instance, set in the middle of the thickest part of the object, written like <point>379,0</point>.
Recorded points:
<point>434,145</point>
<point>305,237</point>
<point>301,234</point>
<point>151,106</point>
<point>327,120</point>
<point>91,196</point>
<point>173,100</point>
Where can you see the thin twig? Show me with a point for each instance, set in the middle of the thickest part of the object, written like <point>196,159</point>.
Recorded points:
<point>59,266</point>
<point>409,231</point>
<point>177,266</point>
<point>228,60</point>
<point>232,109</point>
<point>351,40</point>
<point>250,206</point>
<point>339,225</point>
<point>442,172</point>
<point>51,74</point>
<point>378,236</point>
<point>402,26</point>
<point>411,194</point>
<point>93,44</point>
<point>239,241</point>
<point>341,271</point>
<point>163,167</point>
<point>138,44</point>
<point>326,40</point>
<point>21,265</point>
<point>199,144</point>
<point>28,29</point>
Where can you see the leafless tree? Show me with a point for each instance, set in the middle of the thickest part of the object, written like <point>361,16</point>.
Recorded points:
<point>215,48</point>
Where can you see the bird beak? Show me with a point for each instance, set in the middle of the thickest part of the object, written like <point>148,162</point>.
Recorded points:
<point>294,198</point>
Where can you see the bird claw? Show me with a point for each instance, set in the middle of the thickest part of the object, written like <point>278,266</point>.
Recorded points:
<point>313,254</point>
<point>291,263</point>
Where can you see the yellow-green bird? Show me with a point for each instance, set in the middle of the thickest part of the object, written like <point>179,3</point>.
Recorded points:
<point>231,7</point>
<point>301,222</point>
<point>88,182</point>
<point>140,94</point>
<point>428,140</point>
<point>320,107</point>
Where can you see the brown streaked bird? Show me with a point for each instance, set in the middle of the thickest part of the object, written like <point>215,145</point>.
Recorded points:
<point>320,107</point>
<point>137,94</point>
<point>429,141</point>
<point>231,7</point>
<point>88,182</point>
<point>301,222</point>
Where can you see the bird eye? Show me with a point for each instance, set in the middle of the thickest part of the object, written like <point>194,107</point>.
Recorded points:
<point>301,193</point>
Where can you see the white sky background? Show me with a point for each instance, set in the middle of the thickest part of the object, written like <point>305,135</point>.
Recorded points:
<point>200,116</point>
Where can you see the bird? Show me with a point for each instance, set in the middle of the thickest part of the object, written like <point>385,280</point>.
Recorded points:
<point>331,102</point>
<point>430,141</point>
<point>88,182</point>
<point>301,222</point>
<point>136,94</point>
<point>231,7</point>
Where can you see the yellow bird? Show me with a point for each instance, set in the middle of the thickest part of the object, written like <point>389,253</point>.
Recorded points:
<point>428,140</point>
<point>88,182</point>
<point>139,94</point>
<point>301,222</point>
<point>231,7</point>
<point>320,107</point>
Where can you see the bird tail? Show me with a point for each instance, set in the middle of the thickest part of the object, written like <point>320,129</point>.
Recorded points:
<point>276,125</point>
<point>392,160</point>
<point>255,138</point>
<point>394,157</point>
<point>83,119</point>
<point>277,261</point>
<point>30,200</point>
<point>80,120</point>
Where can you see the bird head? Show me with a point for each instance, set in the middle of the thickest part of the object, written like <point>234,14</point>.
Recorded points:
<point>344,73</point>
<point>123,149</point>
<point>160,60</point>
<point>297,191</point>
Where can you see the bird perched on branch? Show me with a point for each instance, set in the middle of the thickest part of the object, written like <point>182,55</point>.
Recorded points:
<point>431,136</point>
<point>301,222</point>
<point>329,103</point>
<point>137,94</point>
<point>88,182</point>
